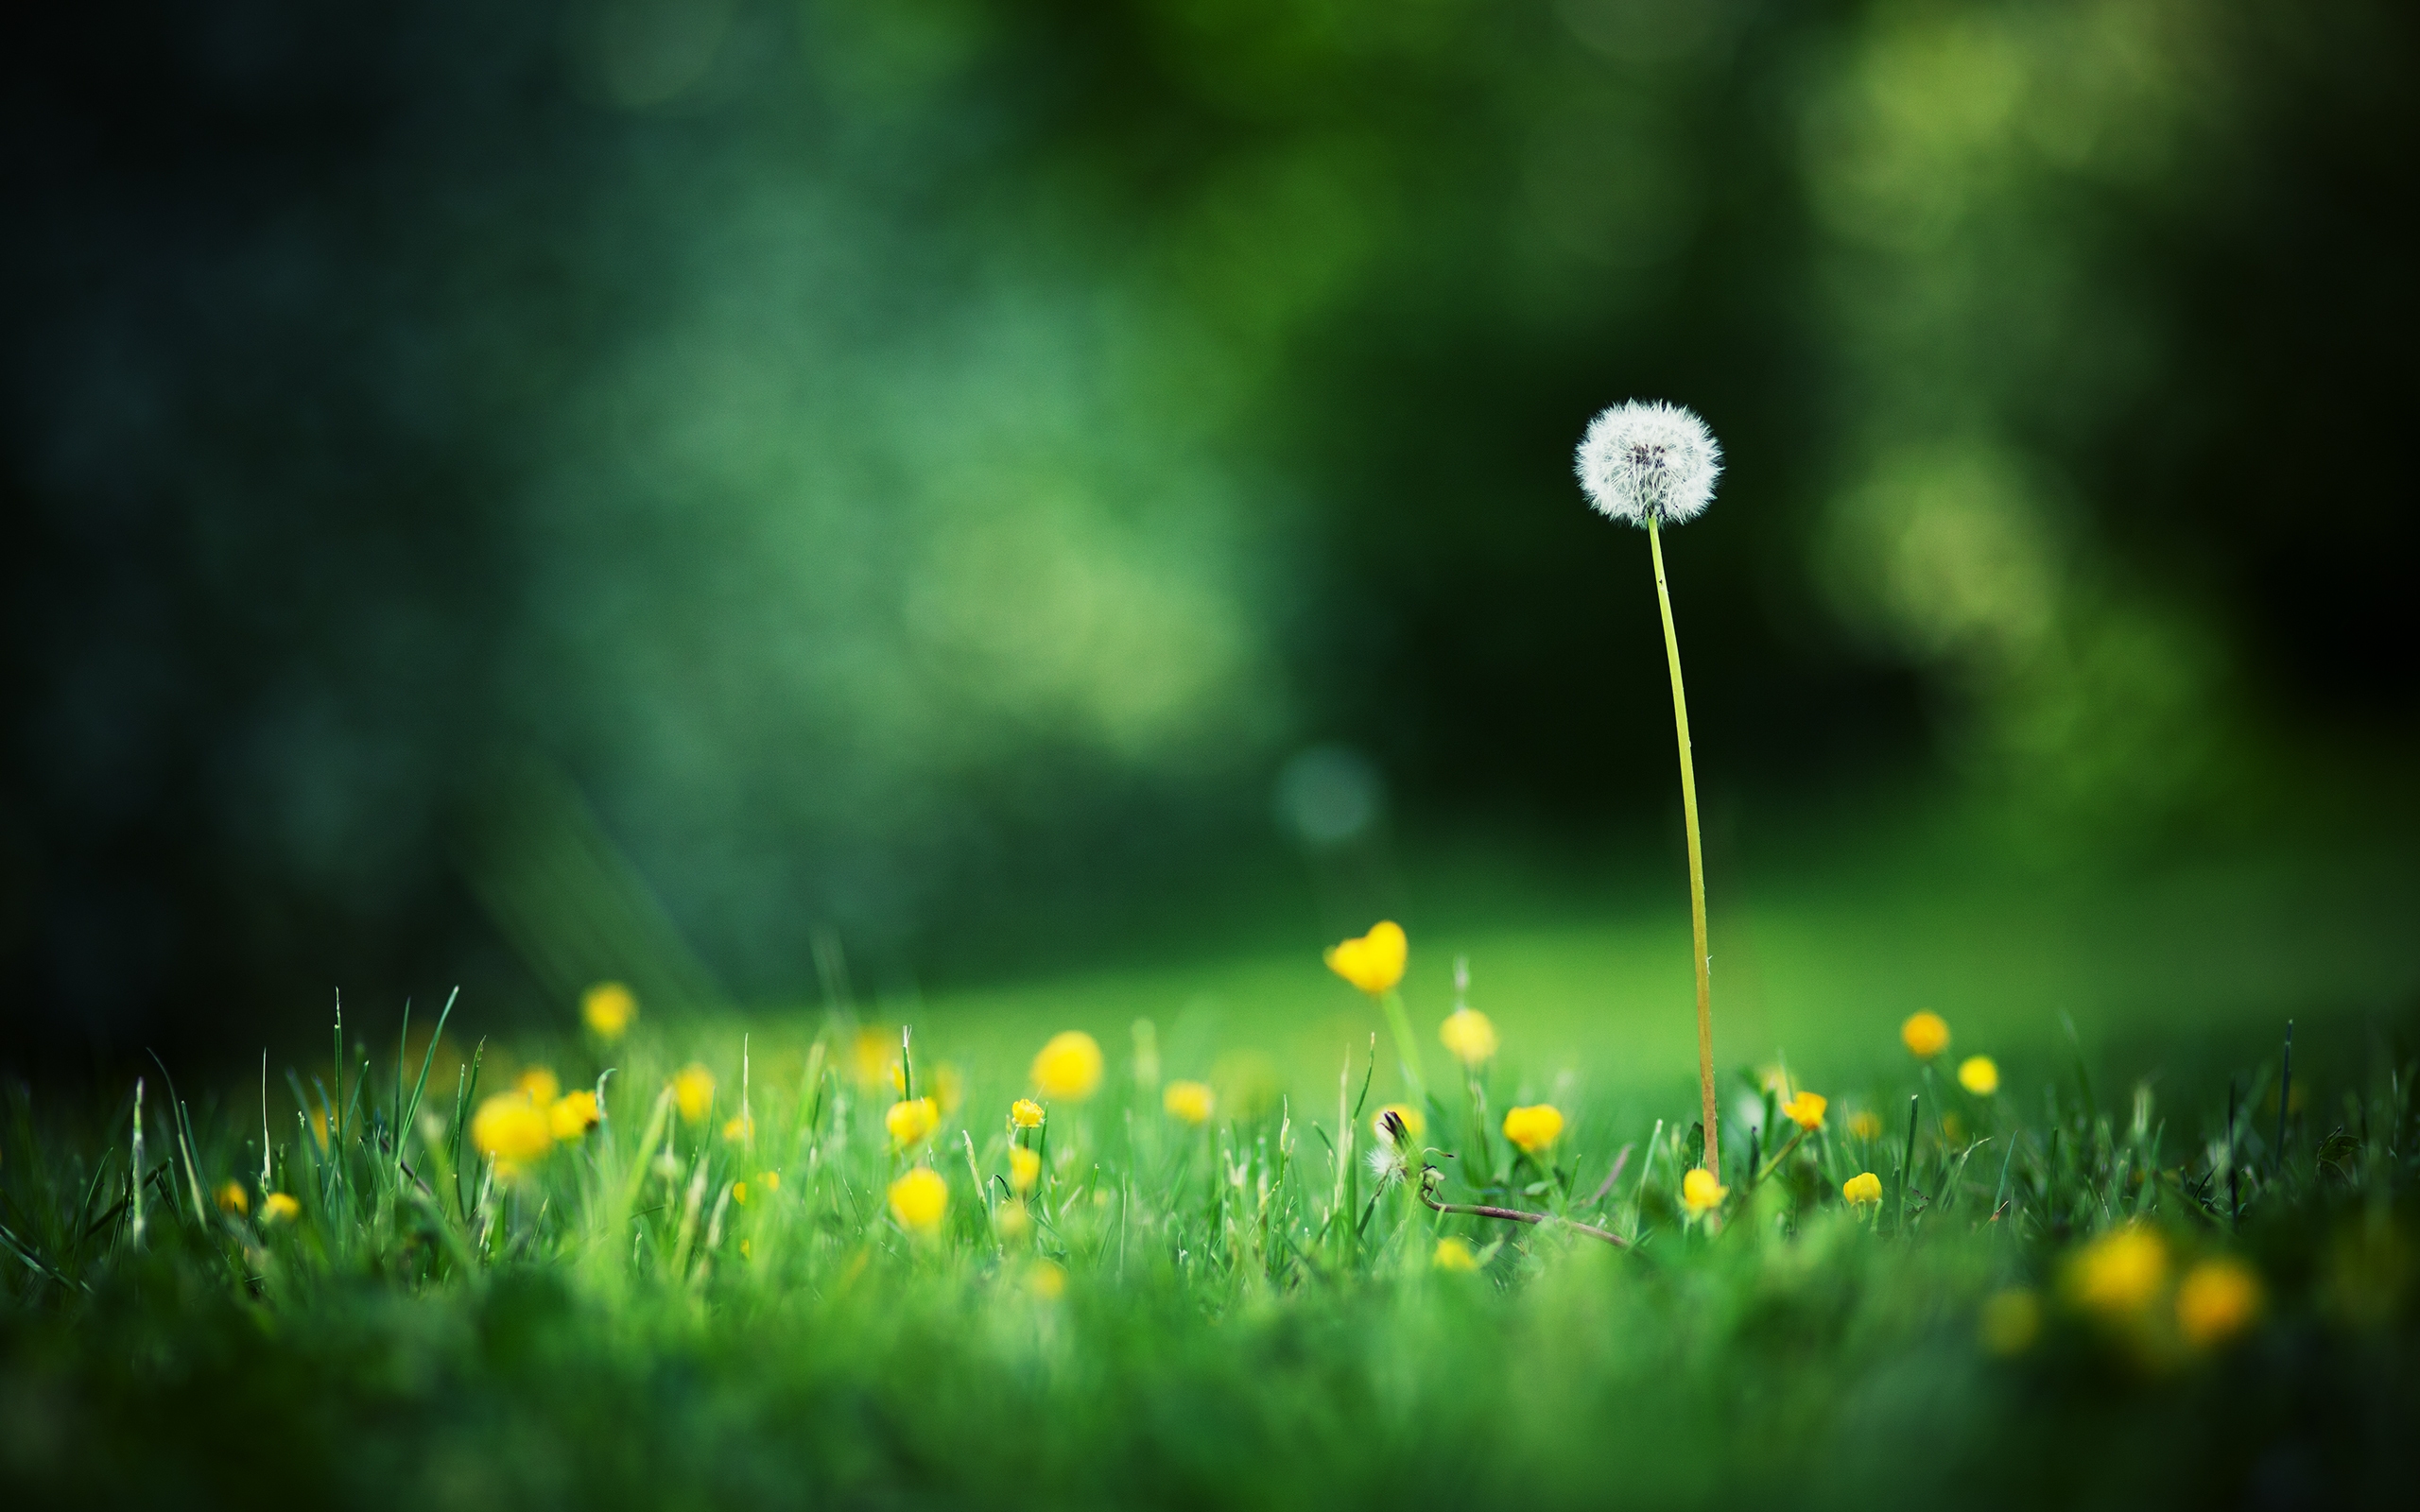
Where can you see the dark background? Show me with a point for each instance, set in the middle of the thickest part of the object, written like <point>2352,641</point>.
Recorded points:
<point>649,488</point>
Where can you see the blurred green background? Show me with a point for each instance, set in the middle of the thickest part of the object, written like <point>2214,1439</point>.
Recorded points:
<point>731,495</point>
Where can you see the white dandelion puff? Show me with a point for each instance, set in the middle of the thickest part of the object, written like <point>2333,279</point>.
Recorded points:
<point>1389,1164</point>
<point>1648,463</point>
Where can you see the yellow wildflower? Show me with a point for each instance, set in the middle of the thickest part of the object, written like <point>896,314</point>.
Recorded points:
<point>2011,1320</point>
<point>1374,962</point>
<point>693,1088</point>
<point>1069,1066</point>
<point>232,1198</point>
<point>1978,1075</point>
<point>1806,1110</point>
<point>873,1058</point>
<point>1926,1035</point>
<point>949,1087</point>
<point>919,1199</point>
<point>572,1114</point>
<point>740,1128</point>
<point>1454,1254</point>
<point>1413,1124</point>
<point>2216,1299</point>
<point>1865,1124</point>
<point>608,1008</point>
<point>1189,1102</point>
<point>279,1208</point>
<point>1468,1035</point>
<point>1861,1189</point>
<point>1025,1169</point>
<point>1535,1128</point>
<point>541,1086</point>
<point>2121,1272</point>
<point>1024,1113</point>
<point>772,1180</point>
<point>910,1122</point>
<point>1046,1281</point>
<point>739,1193</point>
<point>512,1128</point>
<point>1700,1193</point>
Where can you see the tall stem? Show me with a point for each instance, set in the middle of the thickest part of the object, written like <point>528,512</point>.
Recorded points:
<point>1696,862</point>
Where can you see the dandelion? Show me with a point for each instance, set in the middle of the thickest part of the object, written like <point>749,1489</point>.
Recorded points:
<point>1654,465</point>
<point>693,1089</point>
<point>1374,962</point>
<point>740,1128</point>
<point>1454,1254</point>
<point>279,1208</point>
<point>1045,1282</point>
<point>512,1128</point>
<point>2010,1322</point>
<point>573,1115</point>
<point>1068,1067</point>
<point>1979,1074</point>
<point>2119,1273</point>
<point>232,1198</point>
<point>919,1199</point>
<point>772,1180</point>
<point>1188,1102</point>
<point>739,1193</point>
<point>1409,1116</point>
<point>608,1008</point>
<point>1865,1124</point>
<point>1700,1193</point>
<point>1806,1110</point>
<point>1926,1035</point>
<point>1469,1037</point>
<point>540,1085</point>
<point>909,1123</point>
<point>1024,1113</point>
<point>1535,1128</point>
<point>1390,1153</point>
<point>1025,1169</point>
<point>2216,1301</point>
<point>1862,1189</point>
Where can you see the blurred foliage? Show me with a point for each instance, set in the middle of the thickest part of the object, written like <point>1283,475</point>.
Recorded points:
<point>486,485</point>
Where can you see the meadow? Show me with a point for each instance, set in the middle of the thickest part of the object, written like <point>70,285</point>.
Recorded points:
<point>1041,1248</point>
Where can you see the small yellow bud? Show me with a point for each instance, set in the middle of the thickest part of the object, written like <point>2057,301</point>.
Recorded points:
<point>910,1122</point>
<point>1454,1254</point>
<point>1926,1035</point>
<point>2216,1301</point>
<point>279,1208</point>
<point>1700,1193</point>
<point>873,1058</point>
<point>573,1115</point>
<point>1374,962</point>
<point>608,1008</point>
<point>772,1180</point>
<point>1861,1189</point>
<point>739,1193</point>
<point>1025,1169</point>
<point>1468,1036</point>
<point>740,1128</point>
<point>1413,1124</point>
<point>541,1086</point>
<point>693,1090</point>
<point>1535,1128</point>
<point>232,1198</point>
<point>2119,1273</point>
<point>1011,1221</point>
<point>919,1199</point>
<point>1069,1066</point>
<point>1865,1124</point>
<point>1024,1113</point>
<point>1045,1282</point>
<point>1978,1075</point>
<point>1189,1102</point>
<point>1806,1110</point>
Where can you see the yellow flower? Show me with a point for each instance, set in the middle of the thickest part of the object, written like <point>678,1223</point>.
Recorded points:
<point>1374,962</point>
<point>572,1114</point>
<point>1865,1124</point>
<point>873,1058</point>
<point>512,1128</point>
<point>541,1086</point>
<point>232,1198</point>
<point>1188,1102</point>
<point>1011,1221</point>
<point>1068,1067</point>
<point>740,1128</point>
<point>2121,1272</point>
<point>1413,1124</point>
<point>772,1180</point>
<point>2011,1319</point>
<point>1025,1169</point>
<point>1924,1034</point>
<point>608,1008</point>
<point>919,1199</point>
<point>2216,1299</point>
<point>1024,1113</point>
<point>694,1091</point>
<point>1468,1035</point>
<point>739,1193</point>
<point>1535,1128</point>
<point>1045,1281</point>
<point>279,1208</point>
<point>1860,1189</point>
<point>948,1086</point>
<point>1978,1075</point>
<point>1454,1254</point>
<point>1700,1193</point>
<point>1806,1110</point>
<point>911,1123</point>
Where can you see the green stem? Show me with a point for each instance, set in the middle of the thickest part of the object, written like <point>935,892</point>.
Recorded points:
<point>1696,862</point>
<point>1391,1002</point>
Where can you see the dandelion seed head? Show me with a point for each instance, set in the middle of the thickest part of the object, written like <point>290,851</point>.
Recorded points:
<point>1648,463</point>
<point>1388,1163</point>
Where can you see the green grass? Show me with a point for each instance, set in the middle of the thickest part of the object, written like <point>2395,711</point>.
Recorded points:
<point>1214,1317</point>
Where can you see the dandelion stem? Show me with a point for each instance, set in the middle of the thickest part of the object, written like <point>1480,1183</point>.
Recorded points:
<point>1697,861</point>
<point>1406,1048</point>
<point>1471,1210</point>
